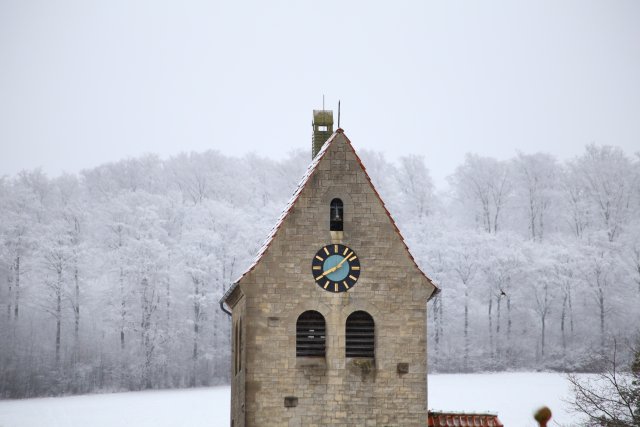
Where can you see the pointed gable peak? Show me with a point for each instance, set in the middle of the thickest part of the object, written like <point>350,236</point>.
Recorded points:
<point>338,136</point>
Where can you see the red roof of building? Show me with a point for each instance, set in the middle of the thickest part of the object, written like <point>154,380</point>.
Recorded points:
<point>446,419</point>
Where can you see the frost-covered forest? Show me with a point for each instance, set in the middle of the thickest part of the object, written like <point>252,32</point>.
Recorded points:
<point>110,279</point>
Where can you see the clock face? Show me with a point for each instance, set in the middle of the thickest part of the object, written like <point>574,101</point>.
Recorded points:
<point>335,268</point>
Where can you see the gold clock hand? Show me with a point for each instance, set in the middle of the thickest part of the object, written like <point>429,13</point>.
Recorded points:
<point>332,269</point>
<point>343,260</point>
<point>329,271</point>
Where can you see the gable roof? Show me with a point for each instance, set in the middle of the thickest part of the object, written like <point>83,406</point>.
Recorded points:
<point>303,182</point>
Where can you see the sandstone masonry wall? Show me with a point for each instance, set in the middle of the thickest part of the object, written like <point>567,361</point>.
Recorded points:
<point>334,390</point>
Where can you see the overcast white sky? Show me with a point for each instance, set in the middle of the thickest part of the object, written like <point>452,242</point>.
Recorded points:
<point>85,82</point>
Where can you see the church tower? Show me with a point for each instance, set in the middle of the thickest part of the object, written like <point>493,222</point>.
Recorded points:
<point>329,323</point>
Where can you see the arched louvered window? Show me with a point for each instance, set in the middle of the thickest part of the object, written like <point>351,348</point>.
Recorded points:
<point>360,335</point>
<point>336,215</point>
<point>310,334</point>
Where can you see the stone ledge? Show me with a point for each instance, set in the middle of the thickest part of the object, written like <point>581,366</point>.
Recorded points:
<point>311,362</point>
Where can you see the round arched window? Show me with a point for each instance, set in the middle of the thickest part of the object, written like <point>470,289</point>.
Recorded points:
<point>360,335</point>
<point>310,334</point>
<point>336,215</point>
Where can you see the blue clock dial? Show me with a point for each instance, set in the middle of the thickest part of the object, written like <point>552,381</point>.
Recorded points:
<point>335,268</point>
<point>335,261</point>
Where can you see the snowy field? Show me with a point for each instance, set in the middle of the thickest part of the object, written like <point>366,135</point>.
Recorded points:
<point>167,408</point>
<point>513,395</point>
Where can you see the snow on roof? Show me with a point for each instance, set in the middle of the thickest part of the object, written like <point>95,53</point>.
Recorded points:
<point>310,170</point>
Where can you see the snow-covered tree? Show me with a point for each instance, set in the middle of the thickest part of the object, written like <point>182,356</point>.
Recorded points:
<point>483,185</point>
<point>536,176</point>
<point>110,279</point>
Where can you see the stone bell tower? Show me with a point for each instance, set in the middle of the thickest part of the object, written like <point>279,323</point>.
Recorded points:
<point>329,323</point>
